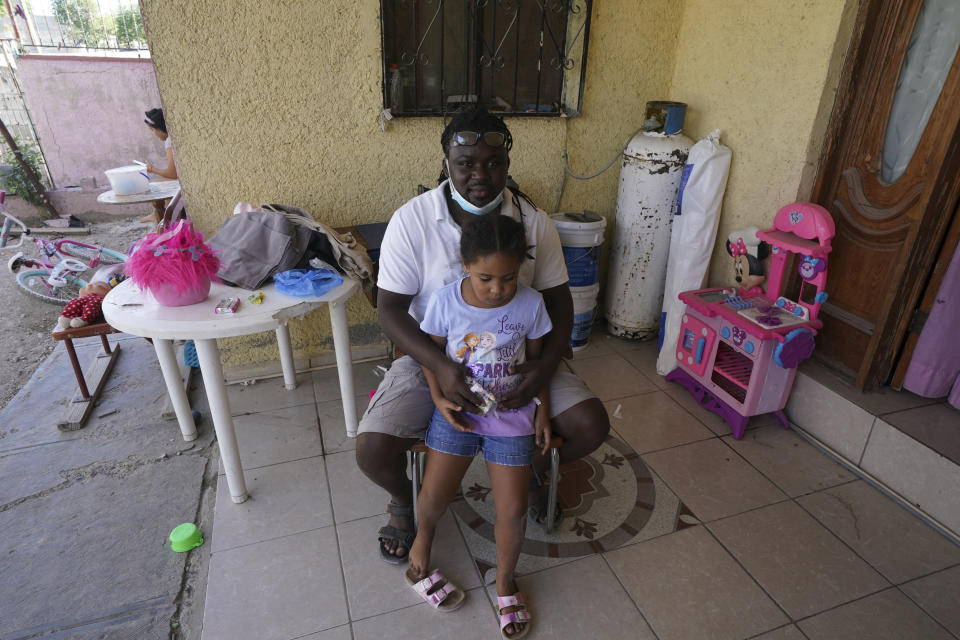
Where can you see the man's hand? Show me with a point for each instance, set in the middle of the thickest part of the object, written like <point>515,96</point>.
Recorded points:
<point>537,374</point>
<point>452,379</point>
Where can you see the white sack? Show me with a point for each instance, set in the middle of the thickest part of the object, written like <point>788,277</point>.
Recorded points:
<point>693,236</point>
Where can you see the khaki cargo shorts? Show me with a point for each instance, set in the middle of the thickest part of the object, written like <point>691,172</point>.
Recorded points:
<point>402,405</point>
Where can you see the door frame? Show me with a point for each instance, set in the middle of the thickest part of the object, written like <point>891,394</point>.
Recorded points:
<point>873,29</point>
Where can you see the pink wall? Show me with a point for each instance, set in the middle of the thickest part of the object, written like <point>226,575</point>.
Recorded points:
<point>88,113</point>
<point>79,202</point>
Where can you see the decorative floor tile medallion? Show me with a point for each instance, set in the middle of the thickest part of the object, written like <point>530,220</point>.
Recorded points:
<point>609,499</point>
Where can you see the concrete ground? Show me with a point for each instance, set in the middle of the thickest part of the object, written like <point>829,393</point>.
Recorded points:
<point>85,515</point>
<point>672,530</point>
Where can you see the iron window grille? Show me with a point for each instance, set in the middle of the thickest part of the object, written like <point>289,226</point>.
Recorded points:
<point>516,57</point>
<point>68,27</point>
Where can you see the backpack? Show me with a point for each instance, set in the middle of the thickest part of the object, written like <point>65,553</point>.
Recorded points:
<point>255,244</point>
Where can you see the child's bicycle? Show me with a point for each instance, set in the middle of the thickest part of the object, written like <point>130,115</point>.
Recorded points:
<point>55,278</point>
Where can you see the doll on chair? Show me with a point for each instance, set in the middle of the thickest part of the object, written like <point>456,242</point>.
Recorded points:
<point>81,311</point>
<point>84,310</point>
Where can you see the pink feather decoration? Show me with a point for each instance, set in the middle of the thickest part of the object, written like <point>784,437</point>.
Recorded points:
<point>177,258</point>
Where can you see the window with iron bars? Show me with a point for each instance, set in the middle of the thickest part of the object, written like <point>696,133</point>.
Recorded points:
<point>516,57</point>
<point>77,27</point>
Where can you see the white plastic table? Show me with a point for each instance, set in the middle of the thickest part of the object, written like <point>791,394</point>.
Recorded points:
<point>128,309</point>
<point>159,191</point>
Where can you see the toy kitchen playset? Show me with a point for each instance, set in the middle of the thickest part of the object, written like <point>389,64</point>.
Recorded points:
<point>738,350</point>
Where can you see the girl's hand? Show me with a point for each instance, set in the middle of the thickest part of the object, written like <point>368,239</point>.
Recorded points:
<point>451,413</point>
<point>541,423</point>
<point>451,376</point>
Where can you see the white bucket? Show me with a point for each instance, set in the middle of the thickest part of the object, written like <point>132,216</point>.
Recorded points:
<point>581,235</point>
<point>126,181</point>
<point>584,311</point>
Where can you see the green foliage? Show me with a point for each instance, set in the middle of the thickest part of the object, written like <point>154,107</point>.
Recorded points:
<point>85,23</point>
<point>128,26</point>
<point>16,182</point>
<point>87,27</point>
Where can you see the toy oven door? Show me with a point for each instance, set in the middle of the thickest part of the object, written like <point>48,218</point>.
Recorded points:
<point>695,344</point>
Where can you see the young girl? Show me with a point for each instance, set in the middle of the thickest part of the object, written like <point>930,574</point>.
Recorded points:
<point>487,300</point>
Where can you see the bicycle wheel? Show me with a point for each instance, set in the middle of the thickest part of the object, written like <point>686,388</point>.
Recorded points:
<point>34,283</point>
<point>78,250</point>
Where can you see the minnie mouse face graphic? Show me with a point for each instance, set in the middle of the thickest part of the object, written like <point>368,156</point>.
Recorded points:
<point>747,265</point>
<point>809,267</point>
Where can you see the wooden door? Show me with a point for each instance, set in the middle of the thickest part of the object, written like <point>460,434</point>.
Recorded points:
<point>891,215</point>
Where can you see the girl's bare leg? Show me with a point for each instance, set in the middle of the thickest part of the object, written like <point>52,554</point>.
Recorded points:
<point>440,484</point>
<point>510,485</point>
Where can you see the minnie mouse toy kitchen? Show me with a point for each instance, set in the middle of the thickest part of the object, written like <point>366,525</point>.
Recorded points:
<point>738,350</point>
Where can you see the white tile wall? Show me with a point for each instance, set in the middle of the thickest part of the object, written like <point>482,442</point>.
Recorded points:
<point>829,417</point>
<point>914,471</point>
<point>921,475</point>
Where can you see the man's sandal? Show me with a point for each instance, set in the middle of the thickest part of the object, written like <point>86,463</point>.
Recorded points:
<point>538,507</point>
<point>402,537</point>
<point>440,593</point>
<point>538,513</point>
<point>521,615</point>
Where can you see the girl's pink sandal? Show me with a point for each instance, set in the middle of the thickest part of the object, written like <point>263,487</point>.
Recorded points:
<point>519,616</point>
<point>440,593</point>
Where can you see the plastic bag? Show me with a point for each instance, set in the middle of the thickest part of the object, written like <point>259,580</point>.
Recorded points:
<point>489,401</point>
<point>306,283</point>
<point>693,236</point>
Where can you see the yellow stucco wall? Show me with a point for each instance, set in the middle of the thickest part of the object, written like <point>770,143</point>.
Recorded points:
<point>765,72</point>
<point>279,102</point>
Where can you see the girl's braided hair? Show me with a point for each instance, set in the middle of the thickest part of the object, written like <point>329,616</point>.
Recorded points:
<point>492,233</point>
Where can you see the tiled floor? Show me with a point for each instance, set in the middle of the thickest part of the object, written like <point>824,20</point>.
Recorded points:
<point>759,538</point>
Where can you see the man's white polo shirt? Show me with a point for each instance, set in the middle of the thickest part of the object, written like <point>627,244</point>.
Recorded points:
<point>421,248</point>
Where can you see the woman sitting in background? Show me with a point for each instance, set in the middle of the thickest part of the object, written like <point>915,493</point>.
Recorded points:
<point>158,126</point>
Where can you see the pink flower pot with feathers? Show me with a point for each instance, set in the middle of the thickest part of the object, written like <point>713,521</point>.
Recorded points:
<point>174,265</point>
<point>168,295</point>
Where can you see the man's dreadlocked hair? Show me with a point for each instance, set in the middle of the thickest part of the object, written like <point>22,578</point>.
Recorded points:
<point>474,119</point>
<point>480,120</point>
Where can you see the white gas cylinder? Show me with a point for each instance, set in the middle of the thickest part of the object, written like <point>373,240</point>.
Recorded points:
<point>647,199</point>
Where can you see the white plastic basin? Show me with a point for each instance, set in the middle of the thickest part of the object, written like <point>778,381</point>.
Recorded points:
<point>126,181</point>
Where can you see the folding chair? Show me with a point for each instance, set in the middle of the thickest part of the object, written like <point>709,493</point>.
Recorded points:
<point>418,456</point>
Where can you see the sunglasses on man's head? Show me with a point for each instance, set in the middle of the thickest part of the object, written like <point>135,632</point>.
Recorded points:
<point>490,138</point>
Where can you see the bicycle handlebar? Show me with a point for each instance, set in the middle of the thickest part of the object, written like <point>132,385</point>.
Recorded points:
<point>9,221</point>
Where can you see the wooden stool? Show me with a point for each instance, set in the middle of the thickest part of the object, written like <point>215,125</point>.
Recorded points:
<point>418,454</point>
<point>94,378</point>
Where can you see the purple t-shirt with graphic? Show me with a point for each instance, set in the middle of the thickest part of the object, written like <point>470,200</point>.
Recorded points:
<point>489,342</point>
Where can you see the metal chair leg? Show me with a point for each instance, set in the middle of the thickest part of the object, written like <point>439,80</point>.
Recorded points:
<point>552,491</point>
<point>416,478</point>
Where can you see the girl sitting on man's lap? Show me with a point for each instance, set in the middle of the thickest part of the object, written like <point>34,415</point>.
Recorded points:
<point>488,299</point>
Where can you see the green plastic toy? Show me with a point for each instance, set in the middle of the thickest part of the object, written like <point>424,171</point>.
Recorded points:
<point>185,537</point>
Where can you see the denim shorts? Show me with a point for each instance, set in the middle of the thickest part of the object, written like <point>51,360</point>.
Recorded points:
<point>402,405</point>
<point>509,451</point>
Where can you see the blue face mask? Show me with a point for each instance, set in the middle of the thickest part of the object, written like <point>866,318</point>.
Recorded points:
<point>470,207</point>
